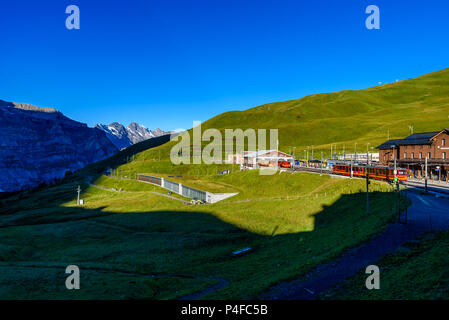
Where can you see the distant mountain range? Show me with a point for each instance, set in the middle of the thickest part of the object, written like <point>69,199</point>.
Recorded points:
<point>41,144</point>
<point>123,137</point>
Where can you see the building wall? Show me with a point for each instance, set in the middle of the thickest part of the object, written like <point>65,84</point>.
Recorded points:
<point>441,146</point>
<point>416,151</point>
<point>388,155</point>
<point>439,149</point>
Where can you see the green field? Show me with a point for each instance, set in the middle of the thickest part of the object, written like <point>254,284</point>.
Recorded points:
<point>140,244</point>
<point>137,244</point>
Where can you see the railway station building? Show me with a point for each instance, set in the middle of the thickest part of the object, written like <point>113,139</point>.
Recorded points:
<point>266,158</point>
<point>412,151</point>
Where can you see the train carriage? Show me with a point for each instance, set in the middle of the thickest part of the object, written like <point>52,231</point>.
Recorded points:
<point>374,172</point>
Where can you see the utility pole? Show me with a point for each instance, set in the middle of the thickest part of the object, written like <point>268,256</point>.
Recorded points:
<point>331,151</point>
<point>321,173</point>
<point>344,153</point>
<point>395,170</point>
<point>367,153</point>
<point>352,159</point>
<point>367,193</point>
<point>426,175</point>
<point>294,148</point>
<point>78,199</point>
<point>355,151</point>
<point>307,155</point>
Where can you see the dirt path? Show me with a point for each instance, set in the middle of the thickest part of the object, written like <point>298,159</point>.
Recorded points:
<point>425,213</point>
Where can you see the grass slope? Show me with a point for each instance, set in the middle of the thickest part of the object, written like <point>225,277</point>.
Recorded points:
<point>137,244</point>
<point>417,271</point>
<point>347,117</point>
<point>351,116</point>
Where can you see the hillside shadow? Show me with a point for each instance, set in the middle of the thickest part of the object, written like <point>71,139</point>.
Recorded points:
<point>174,243</point>
<point>179,240</point>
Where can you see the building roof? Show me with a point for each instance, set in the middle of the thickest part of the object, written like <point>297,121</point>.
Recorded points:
<point>262,152</point>
<point>390,144</point>
<point>416,138</point>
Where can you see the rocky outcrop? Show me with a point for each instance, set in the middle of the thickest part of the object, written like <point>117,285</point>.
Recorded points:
<point>41,144</point>
<point>123,137</point>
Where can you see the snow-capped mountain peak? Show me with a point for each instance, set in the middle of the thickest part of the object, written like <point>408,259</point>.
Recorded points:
<point>123,137</point>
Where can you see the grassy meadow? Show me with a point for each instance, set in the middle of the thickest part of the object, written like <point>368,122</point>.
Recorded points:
<point>415,272</point>
<point>138,244</point>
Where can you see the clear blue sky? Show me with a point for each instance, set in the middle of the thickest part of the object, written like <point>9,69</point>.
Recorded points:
<point>166,63</point>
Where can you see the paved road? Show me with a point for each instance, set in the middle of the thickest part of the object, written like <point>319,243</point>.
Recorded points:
<point>426,213</point>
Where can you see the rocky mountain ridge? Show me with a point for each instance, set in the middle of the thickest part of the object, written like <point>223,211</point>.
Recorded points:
<point>41,144</point>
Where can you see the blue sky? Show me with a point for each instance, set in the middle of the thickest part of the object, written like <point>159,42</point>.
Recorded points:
<point>166,63</point>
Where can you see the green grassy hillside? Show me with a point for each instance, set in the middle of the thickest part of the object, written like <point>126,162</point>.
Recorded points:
<point>346,117</point>
<point>141,244</point>
<point>342,118</point>
<point>138,244</point>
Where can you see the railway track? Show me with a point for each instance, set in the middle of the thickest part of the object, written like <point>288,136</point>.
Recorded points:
<point>441,188</point>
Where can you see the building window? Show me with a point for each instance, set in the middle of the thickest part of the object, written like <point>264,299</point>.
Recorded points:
<point>405,155</point>
<point>444,155</point>
<point>429,155</point>
<point>443,142</point>
<point>420,155</point>
<point>413,155</point>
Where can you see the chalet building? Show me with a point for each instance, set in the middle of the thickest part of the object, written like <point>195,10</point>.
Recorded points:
<point>412,151</point>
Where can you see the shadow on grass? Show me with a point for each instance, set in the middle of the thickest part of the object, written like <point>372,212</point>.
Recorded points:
<point>38,232</point>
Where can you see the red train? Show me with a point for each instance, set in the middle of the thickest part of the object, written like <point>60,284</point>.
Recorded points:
<point>379,173</point>
<point>284,164</point>
<point>281,163</point>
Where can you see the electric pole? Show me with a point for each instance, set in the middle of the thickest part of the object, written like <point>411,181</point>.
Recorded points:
<point>321,172</point>
<point>78,199</point>
<point>367,192</point>
<point>426,175</point>
<point>367,153</point>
